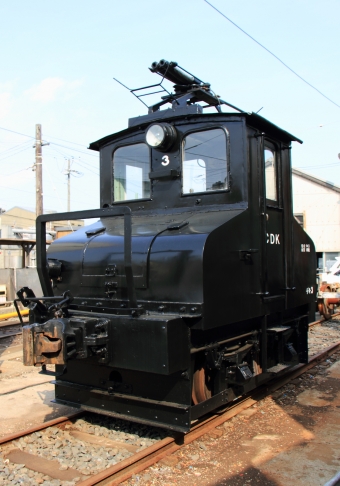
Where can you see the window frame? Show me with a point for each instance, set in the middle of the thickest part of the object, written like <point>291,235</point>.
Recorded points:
<point>270,145</point>
<point>182,151</point>
<point>122,145</point>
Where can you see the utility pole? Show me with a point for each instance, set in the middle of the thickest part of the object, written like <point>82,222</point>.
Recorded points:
<point>38,170</point>
<point>68,174</point>
<point>68,186</point>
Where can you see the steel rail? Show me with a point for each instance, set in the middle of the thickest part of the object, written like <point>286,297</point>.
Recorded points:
<point>5,334</point>
<point>45,425</point>
<point>11,323</point>
<point>10,334</point>
<point>320,321</point>
<point>122,471</point>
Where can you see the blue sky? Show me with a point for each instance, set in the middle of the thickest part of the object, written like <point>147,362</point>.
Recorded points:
<point>58,60</point>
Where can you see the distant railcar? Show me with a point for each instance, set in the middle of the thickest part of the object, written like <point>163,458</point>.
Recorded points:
<point>195,285</point>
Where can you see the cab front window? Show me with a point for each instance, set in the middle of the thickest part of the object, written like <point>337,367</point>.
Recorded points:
<point>131,167</point>
<point>204,166</point>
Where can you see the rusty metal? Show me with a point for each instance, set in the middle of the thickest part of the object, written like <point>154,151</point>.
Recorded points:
<point>42,347</point>
<point>102,441</point>
<point>28,350</point>
<point>327,304</point>
<point>323,319</point>
<point>60,420</point>
<point>200,386</point>
<point>45,345</point>
<point>328,298</point>
<point>122,471</point>
<point>322,308</point>
<point>138,462</point>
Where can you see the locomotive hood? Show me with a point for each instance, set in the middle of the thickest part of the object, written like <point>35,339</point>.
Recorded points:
<point>167,253</point>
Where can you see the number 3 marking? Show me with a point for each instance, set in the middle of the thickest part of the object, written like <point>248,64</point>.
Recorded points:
<point>165,160</point>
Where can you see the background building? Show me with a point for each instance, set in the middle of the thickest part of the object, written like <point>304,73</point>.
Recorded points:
<point>17,249</point>
<point>316,206</point>
<point>19,224</point>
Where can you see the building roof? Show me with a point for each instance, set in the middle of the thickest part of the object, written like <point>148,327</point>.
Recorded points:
<point>15,209</point>
<point>320,182</point>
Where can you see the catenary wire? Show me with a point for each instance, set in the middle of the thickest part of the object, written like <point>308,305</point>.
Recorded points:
<point>270,52</point>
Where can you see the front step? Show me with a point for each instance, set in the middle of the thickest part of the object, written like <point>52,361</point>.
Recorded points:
<point>277,368</point>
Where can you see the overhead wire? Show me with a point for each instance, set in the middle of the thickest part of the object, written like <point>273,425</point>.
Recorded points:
<point>87,168</point>
<point>76,150</point>
<point>17,133</point>
<point>16,172</point>
<point>33,192</point>
<point>67,141</point>
<point>52,182</point>
<point>15,146</point>
<point>60,145</point>
<point>81,162</point>
<point>15,153</point>
<point>317,166</point>
<point>20,190</point>
<point>272,54</point>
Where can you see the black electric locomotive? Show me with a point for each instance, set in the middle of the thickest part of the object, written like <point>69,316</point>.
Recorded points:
<point>195,285</point>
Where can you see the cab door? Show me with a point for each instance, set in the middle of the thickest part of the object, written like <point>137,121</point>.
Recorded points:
<point>273,235</point>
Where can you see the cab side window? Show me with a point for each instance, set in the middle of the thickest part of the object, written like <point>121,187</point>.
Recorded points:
<point>270,167</point>
<point>131,167</point>
<point>204,165</point>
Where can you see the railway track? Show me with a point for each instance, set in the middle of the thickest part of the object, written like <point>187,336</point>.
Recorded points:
<point>11,327</point>
<point>122,454</point>
<point>10,330</point>
<point>322,319</point>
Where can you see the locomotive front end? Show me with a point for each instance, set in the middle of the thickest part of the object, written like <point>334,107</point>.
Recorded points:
<point>194,285</point>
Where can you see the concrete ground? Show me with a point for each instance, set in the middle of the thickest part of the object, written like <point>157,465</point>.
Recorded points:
<point>289,439</point>
<point>25,395</point>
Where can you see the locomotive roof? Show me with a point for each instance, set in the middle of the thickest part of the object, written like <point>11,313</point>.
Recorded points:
<point>252,119</point>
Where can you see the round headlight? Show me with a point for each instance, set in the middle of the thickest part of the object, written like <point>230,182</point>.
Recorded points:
<point>155,135</point>
<point>160,136</point>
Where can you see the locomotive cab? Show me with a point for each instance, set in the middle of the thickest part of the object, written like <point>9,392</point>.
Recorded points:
<point>196,283</point>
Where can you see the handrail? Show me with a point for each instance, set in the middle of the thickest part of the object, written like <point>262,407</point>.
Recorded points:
<point>92,213</point>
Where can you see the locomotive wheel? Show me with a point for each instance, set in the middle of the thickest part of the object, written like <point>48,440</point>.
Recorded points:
<point>324,309</point>
<point>201,386</point>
